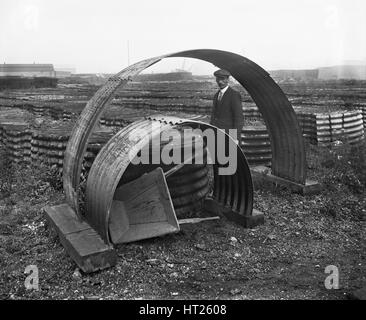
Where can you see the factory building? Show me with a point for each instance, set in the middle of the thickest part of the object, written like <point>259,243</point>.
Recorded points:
<point>27,70</point>
<point>341,72</point>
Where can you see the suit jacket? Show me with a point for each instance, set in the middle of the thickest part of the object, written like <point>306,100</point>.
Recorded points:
<point>227,113</point>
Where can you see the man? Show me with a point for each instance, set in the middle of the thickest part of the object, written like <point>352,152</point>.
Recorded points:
<point>227,110</point>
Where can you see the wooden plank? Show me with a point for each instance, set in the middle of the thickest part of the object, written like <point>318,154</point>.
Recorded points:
<point>309,187</point>
<point>63,218</point>
<point>80,240</point>
<point>87,242</point>
<point>88,250</point>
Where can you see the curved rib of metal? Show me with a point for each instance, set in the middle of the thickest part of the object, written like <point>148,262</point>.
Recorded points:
<point>114,158</point>
<point>288,152</point>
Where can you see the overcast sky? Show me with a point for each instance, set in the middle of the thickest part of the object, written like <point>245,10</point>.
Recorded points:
<point>92,35</point>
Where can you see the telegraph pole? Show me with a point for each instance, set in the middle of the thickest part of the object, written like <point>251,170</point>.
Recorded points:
<point>128,52</point>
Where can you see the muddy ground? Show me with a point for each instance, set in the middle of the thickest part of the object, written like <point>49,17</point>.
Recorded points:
<point>283,259</point>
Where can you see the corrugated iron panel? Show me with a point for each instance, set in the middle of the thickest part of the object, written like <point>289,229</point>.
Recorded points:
<point>288,152</point>
<point>256,145</point>
<point>115,157</point>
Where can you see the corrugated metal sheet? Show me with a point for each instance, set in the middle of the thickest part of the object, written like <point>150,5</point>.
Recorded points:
<point>256,145</point>
<point>288,152</point>
<point>48,146</point>
<point>16,138</point>
<point>234,191</point>
<point>323,129</point>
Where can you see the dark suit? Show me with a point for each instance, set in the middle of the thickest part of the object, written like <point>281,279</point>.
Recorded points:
<point>227,113</point>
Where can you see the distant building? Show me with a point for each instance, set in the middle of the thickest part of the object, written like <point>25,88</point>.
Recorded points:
<point>27,70</point>
<point>357,72</point>
<point>64,72</point>
<point>278,75</point>
<point>346,72</point>
<point>170,76</point>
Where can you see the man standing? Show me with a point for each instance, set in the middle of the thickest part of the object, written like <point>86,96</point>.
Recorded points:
<point>227,110</point>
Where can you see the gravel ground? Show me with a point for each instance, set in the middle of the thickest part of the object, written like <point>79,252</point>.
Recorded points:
<point>283,259</point>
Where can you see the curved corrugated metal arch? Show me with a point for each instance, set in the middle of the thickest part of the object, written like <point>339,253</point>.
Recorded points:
<point>231,191</point>
<point>288,151</point>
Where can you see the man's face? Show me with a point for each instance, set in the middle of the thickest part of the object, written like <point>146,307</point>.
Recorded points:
<point>222,82</point>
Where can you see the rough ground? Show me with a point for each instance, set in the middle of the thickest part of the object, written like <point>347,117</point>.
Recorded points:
<point>283,259</point>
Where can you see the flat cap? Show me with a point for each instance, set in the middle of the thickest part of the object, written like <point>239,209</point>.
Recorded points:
<point>222,73</point>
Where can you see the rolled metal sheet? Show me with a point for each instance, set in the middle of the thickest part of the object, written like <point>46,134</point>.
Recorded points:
<point>116,155</point>
<point>288,151</point>
<point>193,176</point>
<point>191,197</point>
<point>178,191</point>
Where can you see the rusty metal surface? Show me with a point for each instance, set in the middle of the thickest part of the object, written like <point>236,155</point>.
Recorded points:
<point>114,158</point>
<point>288,160</point>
